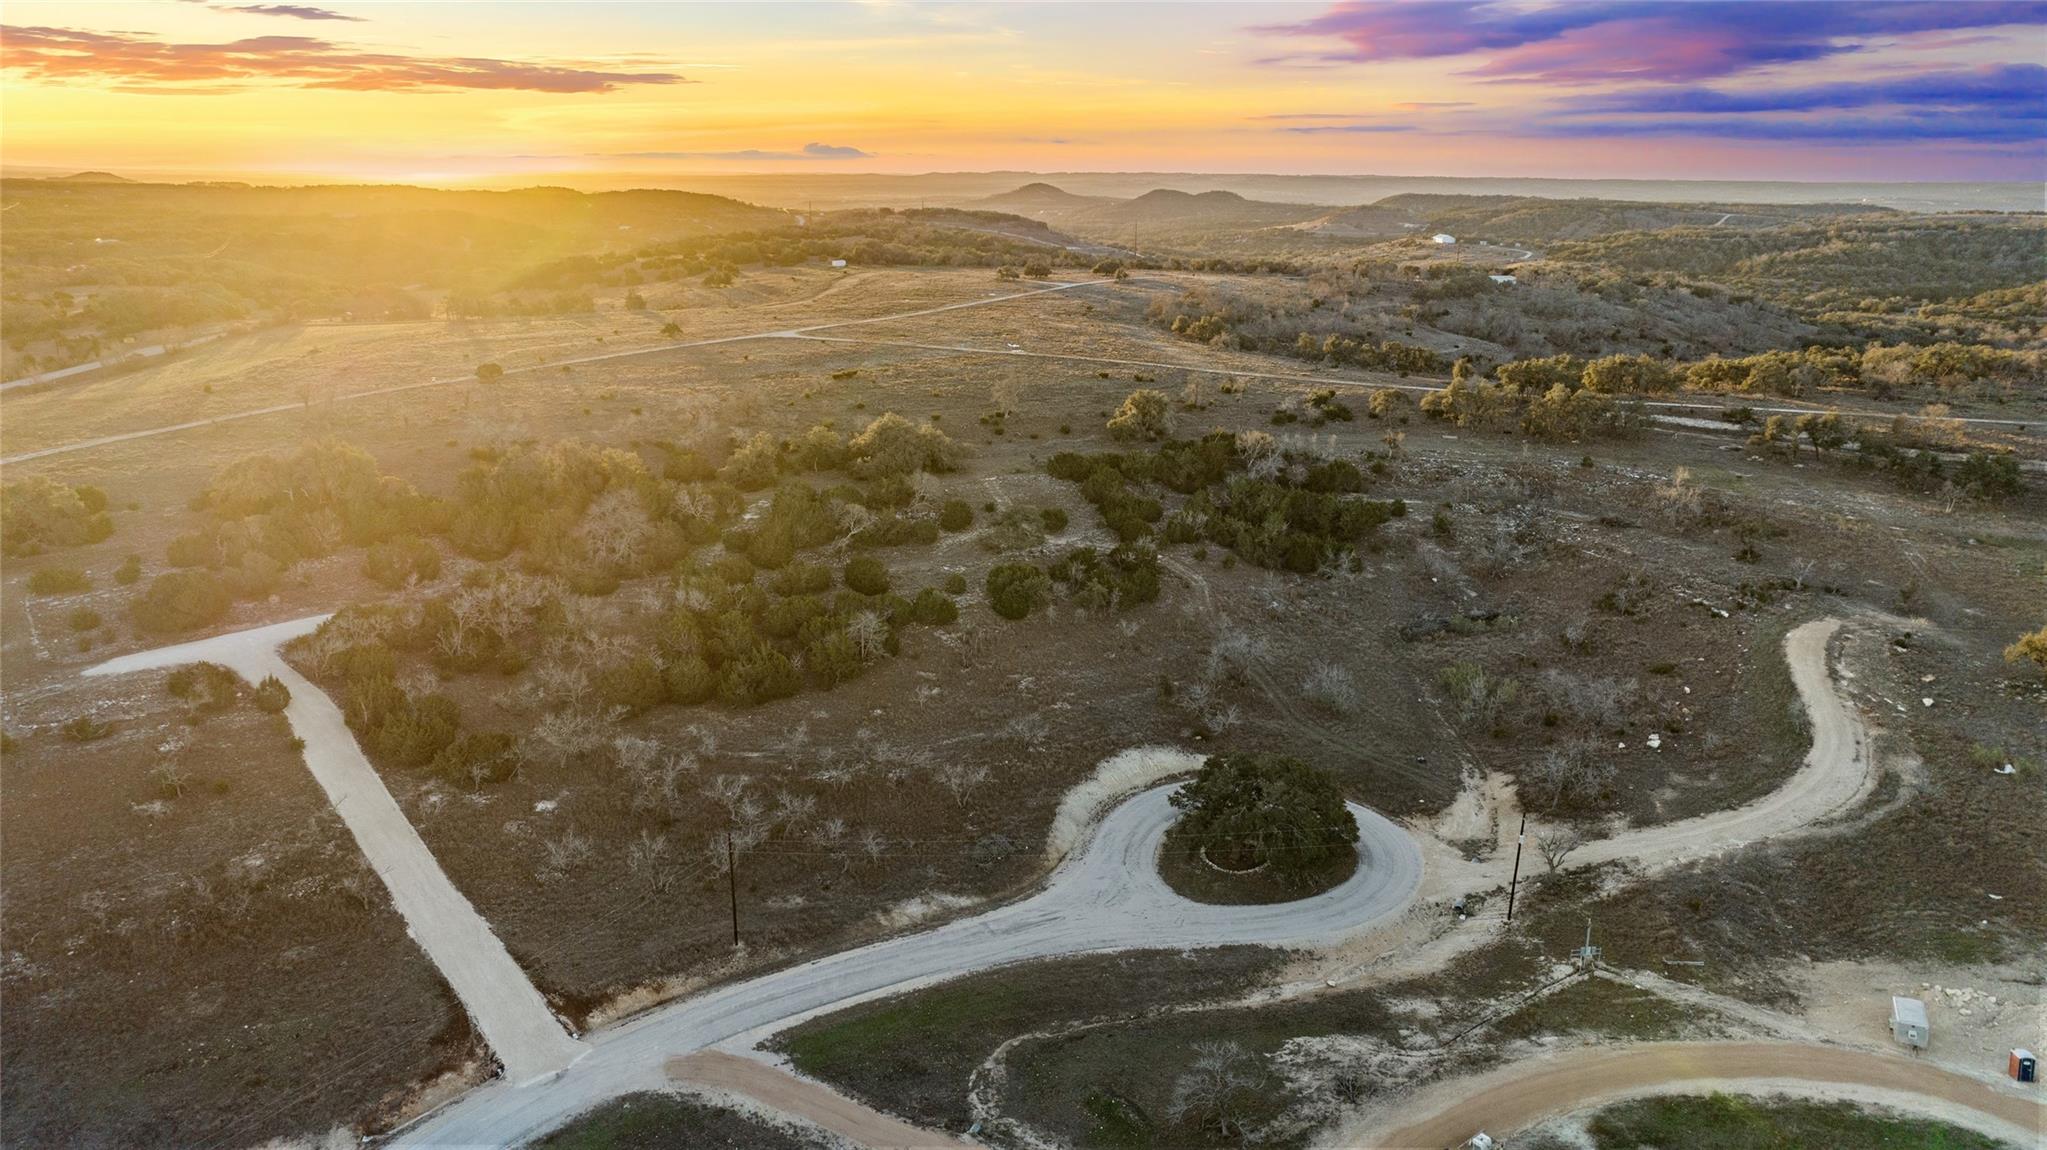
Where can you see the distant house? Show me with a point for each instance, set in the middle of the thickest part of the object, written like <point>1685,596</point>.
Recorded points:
<point>838,263</point>
<point>1503,279</point>
<point>1908,1022</point>
<point>1444,238</point>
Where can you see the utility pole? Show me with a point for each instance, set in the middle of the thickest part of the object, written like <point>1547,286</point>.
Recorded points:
<point>732,880</point>
<point>1519,838</point>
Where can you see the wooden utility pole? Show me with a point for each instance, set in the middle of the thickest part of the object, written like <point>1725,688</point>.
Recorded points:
<point>1519,839</point>
<point>732,880</point>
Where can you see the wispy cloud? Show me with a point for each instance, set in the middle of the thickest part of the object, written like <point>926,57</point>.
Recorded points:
<point>295,11</point>
<point>1992,90</point>
<point>807,152</point>
<point>1347,129</point>
<point>138,62</point>
<point>1999,104</point>
<point>1634,40</point>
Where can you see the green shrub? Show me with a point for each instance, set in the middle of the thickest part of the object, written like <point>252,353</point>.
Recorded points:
<point>476,758</point>
<point>83,619</point>
<point>183,600</point>
<point>38,513</point>
<point>1054,519</point>
<point>801,579</point>
<point>955,584</point>
<point>758,676</point>
<point>129,571</point>
<point>58,581</point>
<point>934,608</point>
<point>399,561</point>
<point>1017,589</point>
<point>956,515</point>
<point>1248,810</point>
<point>86,729</point>
<point>635,684</point>
<point>207,686</point>
<point>271,695</point>
<point>688,680</point>
<point>867,575</point>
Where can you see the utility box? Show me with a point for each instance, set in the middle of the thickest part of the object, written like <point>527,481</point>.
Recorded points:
<point>2024,1067</point>
<point>1908,1022</point>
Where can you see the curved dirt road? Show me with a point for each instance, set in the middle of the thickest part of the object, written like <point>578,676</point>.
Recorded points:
<point>1106,896</point>
<point>1515,1097</point>
<point>1837,775</point>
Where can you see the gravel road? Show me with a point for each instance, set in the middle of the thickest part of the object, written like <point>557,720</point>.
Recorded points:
<point>514,1019</point>
<point>1106,896</point>
<point>1516,1096</point>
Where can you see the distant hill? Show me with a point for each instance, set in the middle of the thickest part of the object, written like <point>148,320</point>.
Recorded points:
<point>1043,201</point>
<point>1527,219</point>
<point>1161,214</point>
<point>91,178</point>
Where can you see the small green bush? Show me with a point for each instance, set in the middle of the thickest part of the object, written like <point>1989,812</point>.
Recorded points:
<point>129,571</point>
<point>956,515</point>
<point>181,601</point>
<point>58,581</point>
<point>801,579</point>
<point>933,608</point>
<point>86,729</point>
<point>956,584</point>
<point>867,575</point>
<point>1017,589</point>
<point>688,680</point>
<point>271,695</point>
<point>83,619</point>
<point>1054,519</point>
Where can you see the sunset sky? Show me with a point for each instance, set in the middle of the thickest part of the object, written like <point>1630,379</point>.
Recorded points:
<point>455,91</point>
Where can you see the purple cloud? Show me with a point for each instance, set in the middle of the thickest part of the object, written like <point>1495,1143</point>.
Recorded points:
<point>137,62</point>
<point>1643,40</point>
<point>1347,129</point>
<point>295,11</point>
<point>808,152</point>
<point>2020,88</point>
<point>1906,128</point>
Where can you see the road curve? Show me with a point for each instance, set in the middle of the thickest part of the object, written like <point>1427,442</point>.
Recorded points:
<point>1517,1096</point>
<point>1837,774</point>
<point>1106,896</point>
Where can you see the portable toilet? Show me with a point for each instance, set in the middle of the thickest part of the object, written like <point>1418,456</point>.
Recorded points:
<point>1908,1022</point>
<point>2024,1067</point>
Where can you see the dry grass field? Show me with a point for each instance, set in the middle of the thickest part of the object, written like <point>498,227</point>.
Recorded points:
<point>1534,599</point>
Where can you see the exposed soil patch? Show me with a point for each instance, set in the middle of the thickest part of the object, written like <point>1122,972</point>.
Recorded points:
<point>216,965</point>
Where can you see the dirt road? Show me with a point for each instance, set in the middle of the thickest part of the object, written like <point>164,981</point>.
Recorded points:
<point>1515,1097</point>
<point>1836,776</point>
<point>512,1016</point>
<point>801,1098</point>
<point>1107,895</point>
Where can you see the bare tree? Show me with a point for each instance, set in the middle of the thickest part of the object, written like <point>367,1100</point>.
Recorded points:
<point>869,635</point>
<point>563,735</point>
<point>961,779</point>
<point>1333,688</point>
<point>1568,774</point>
<point>1556,845</point>
<point>1028,731</point>
<point>1216,1089</point>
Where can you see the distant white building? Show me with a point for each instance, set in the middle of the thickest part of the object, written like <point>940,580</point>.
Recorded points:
<point>838,263</point>
<point>1503,279</point>
<point>1444,238</point>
